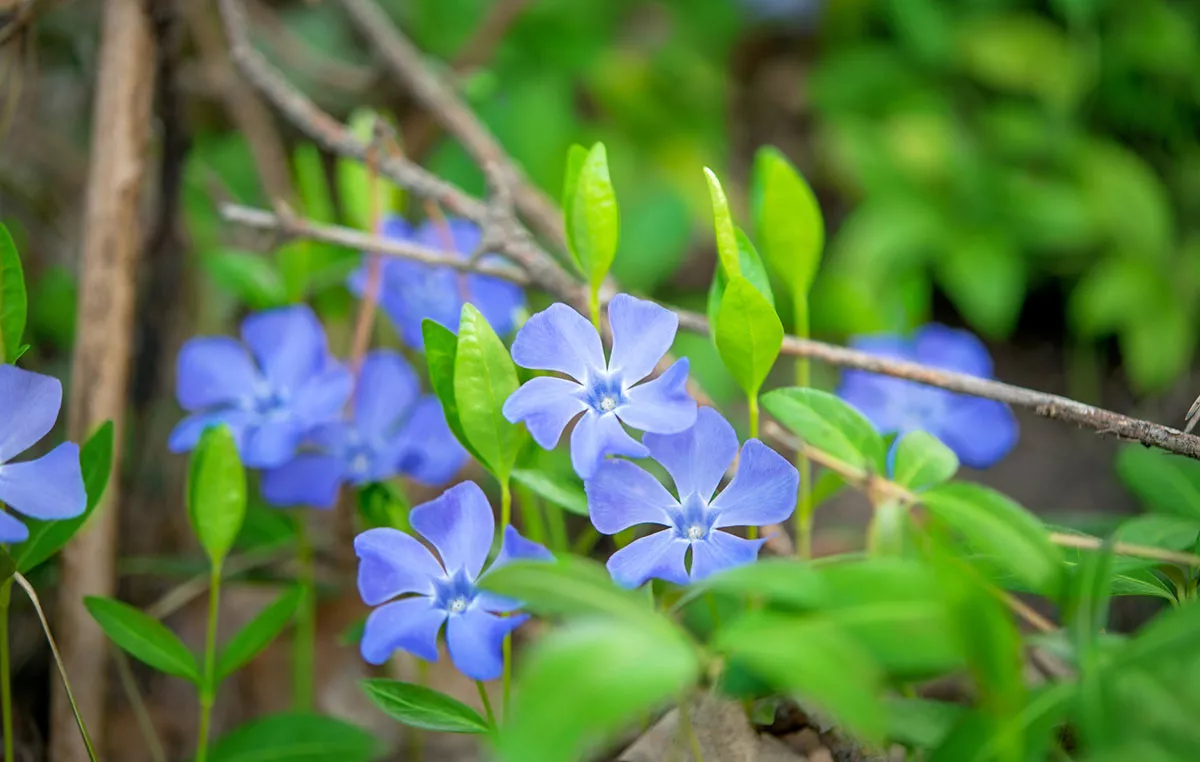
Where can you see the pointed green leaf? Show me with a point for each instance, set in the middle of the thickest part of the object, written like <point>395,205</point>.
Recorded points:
<point>441,350</point>
<point>923,461</point>
<point>564,491</point>
<point>12,299</point>
<point>828,424</point>
<point>576,156</point>
<point>1166,483</point>
<point>423,708</point>
<point>594,219</point>
<point>216,492</point>
<point>997,527</point>
<point>749,334</point>
<point>752,269</point>
<point>616,674</point>
<point>312,183</point>
<point>354,182</point>
<point>384,504</point>
<point>787,219</point>
<point>253,639</point>
<point>296,737</point>
<point>249,277</point>
<point>484,377</point>
<point>47,537</point>
<point>727,246</point>
<point>143,637</point>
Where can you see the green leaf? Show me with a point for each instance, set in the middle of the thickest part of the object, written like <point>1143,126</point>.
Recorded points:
<point>252,639</point>
<point>1173,633</point>
<point>923,461</point>
<point>727,247</point>
<point>1141,582</point>
<point>787,219</point>
<point>8,567</point>
<point>593,219</point>
<point>1160,530</point>
<point>312,183</point>
<point>383,504</point>
<point>1002,530</point>
<point>1166,483</point>
<point>812,657</point>
<point>296,737</point>
<point>752,269</point>
<point>484,377</point>
<point>47,537</point>
<point>576,156</point>
<point>441,350</point>
<point>12,298</point>
<point>353,180</point>
<point>1087,619</point>
<point>571,587</point>
<point>616,674</point>
<point>985,274</point>
<point>143,637</point>
<point>564,491</point>
<point>216,492</point>
<point>748,335</point>
<point>828,424</point>
<point>424,708</point>
<point>921,723</point>
<point>249,277</point>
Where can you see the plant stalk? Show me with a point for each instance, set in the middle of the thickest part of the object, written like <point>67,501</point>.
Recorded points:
<point>5,671</point>
<point>304,641</point>
<point>487,702</point>
<point>804,506</point>
<point>208,690</point>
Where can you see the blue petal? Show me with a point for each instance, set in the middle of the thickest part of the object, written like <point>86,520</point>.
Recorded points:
<point>306,480</point>
<point>663,405</point>
<point>272,444</point>
<point>396,228</point>
<point>559,338</point>
<point>453,234</point>
<point>11,529</point>
<point>214,371</point>
<point>412,292</point>
<point>393,563</point>
<point>427,450</point>
<point>323,396</point>
<point>953,349</point>
<point>880,398</point>
<point>514,548</point>
<point>475,638</point>
<point>642,333</point>
<point>289,344</point>
<point>980,431</point>
<point>697,458</point>
<point>598,436</point>
<point>409,625</point>
<point>186,434</point>
<point>546,405</point>
<point>621,495</point>
<point>48,488</point>
<point>762,492</point>
<point>29,404</point>
<point>721,550</point>
<point>460,525</point>
<point>387,388</point>
<point>498,300</point>
<point>656,556</point>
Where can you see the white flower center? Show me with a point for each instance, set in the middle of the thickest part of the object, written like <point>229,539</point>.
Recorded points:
<point>695,532</point>
<point>458,605</point>
<point>608,403</point>
<point>359,464</point>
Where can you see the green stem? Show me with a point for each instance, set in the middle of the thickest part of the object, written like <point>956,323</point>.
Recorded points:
<point>304,641</point>
<point>506,681</point>
<point>804,506</point>
<point>556,527</point>
<point>5,676</point>
<point>531,517</point>
<point>752,532</point>
<point>208,689</point>
<point>487,702</point>
<point>586,541</point>
<point>505,505</point>
<point>685,724</point>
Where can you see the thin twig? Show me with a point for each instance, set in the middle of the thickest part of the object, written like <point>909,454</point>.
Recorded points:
<point>138,702</point>
<point>1085,542</point>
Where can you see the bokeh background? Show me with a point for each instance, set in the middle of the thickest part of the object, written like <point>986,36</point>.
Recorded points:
<point>1028,170</point>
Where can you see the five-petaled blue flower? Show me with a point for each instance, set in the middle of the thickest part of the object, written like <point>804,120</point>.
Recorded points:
<point>622,495</point>
<point>560,339</point>
<point>433,592</point>
<point>412,291</point>
<point>50,487</point>
<point>979,431</point>
<point>392,430</point>
<point>270,396</point>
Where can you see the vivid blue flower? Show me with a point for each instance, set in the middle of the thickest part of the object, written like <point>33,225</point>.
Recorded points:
<point>270,390</point>
<point>608,394</point>
<point>426,591</point>
<point>50,487</point>
<point>622,495</point>
<point>980,431</point>
<point>393,429</point>
<point>412,291</point>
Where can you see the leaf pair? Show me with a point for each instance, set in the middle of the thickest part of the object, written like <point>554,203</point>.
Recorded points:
<point>591,215</point>
<point>472,375</point>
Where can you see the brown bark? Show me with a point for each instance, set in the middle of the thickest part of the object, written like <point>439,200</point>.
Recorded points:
<point>111,241</point>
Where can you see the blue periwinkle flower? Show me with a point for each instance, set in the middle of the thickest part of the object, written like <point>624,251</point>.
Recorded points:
<point>412,291</point>
<point>980,431</point>
<point>50,487</point>
<point>622,495</point>
<point>270,390</point>
<point>393,429</point>
<point>608,394</point>
<point>426,591</point>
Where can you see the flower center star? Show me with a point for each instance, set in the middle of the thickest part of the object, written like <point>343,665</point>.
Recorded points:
<point>605,394</point>
<point>458,605</point>
<point>454,593</point>
<point>694,520</point>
